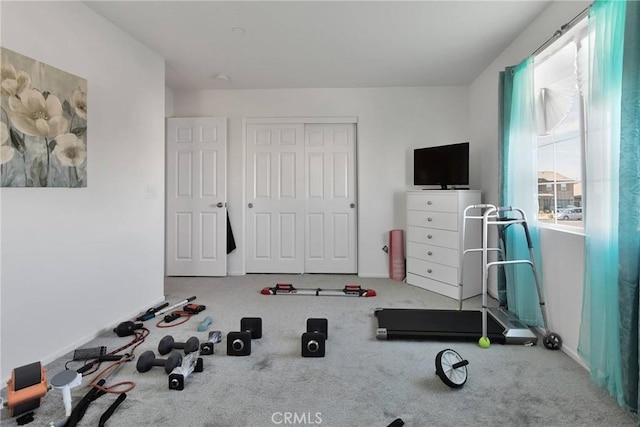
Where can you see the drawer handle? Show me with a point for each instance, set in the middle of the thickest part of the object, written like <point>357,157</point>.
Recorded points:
<point>429,219</point>
<point>429,202</point>
<point>429,271</point>
<point>429,236</point>
<point>429,253</point>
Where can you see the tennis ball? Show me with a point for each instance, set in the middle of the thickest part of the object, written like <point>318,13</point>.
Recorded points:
<point>484,342</point>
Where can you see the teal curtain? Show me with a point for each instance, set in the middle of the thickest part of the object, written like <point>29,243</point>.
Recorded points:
<point>518,187</point>
<point>629,207</point>
<point>599,343</point>
<point>505,91</point>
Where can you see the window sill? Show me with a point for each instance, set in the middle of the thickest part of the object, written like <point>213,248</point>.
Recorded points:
<point>562,228</point>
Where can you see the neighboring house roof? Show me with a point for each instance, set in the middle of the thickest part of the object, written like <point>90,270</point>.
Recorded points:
<point>548,176</point>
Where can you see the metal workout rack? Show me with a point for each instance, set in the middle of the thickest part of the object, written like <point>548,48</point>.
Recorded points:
<point>513,328</point>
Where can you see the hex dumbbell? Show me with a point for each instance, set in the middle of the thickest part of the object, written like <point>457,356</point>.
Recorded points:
<point>148,360</point>
<point>314,340</point>
<point>167,344</point>
<point>239,343</point>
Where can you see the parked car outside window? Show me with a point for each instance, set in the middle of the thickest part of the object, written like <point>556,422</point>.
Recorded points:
<point>570,214</point>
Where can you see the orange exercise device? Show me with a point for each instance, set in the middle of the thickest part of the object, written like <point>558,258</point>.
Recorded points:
<point>25,388</point>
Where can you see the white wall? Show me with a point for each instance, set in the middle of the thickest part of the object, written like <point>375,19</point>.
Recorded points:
<point>77,261</point>
<point>391,123</point>
<point>561,252</point>
<point>168,103</point>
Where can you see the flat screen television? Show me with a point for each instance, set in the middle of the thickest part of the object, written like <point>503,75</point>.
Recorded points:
<point>444,165</point>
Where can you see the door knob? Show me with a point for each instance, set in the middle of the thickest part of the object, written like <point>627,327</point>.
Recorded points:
<point>220,204</point>
<point>352,205</point>
<point>250,205</point>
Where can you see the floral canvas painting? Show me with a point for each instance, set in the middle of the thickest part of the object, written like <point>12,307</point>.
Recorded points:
<point>43,124</point>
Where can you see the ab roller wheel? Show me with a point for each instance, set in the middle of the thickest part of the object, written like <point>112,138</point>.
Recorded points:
<point>451,368</point>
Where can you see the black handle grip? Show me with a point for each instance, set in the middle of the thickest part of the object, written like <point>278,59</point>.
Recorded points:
<point>460,364</point>
<point>151,312</point>
<point>80,409</point>
<point>107,414</point>
<point>158,308</point>
<point>146,316</point>
<point>105,358</point>
<point>84,368</point>
<point>111,357</point>
<point>527,235</point>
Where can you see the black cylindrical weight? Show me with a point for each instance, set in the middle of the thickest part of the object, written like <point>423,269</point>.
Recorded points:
<point>320,325</point>
<point>239,343</point>
<point>313,344</point>
<point>253,325</point>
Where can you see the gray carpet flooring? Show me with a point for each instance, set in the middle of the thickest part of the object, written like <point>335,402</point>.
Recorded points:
<point>361,381</point>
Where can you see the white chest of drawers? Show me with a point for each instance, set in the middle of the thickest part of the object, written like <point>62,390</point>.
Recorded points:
<point>434,242</point>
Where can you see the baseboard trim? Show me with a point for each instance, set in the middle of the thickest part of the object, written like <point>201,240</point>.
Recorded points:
<point>575,356</point>
<point>363,275</point>
<point>236,273</point>
<point>566,350</point>
<point>81,341</point>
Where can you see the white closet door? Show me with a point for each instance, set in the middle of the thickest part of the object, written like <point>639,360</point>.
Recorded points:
<point>330,200</point>
<point>275,198</point>
<point>196,197</point>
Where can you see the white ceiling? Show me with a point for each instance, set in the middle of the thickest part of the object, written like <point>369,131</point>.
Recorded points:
<point>301,44</point>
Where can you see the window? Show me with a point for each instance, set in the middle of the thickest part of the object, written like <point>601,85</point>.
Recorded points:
<point>561,127</point>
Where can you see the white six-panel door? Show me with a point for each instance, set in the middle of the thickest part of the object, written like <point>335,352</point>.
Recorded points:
<point>196,197</point>
<point>301,213</point>
<point>330,202</point>
<point>275,186</point>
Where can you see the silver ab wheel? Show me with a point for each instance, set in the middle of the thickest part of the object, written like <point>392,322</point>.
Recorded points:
<point>451,368</point>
